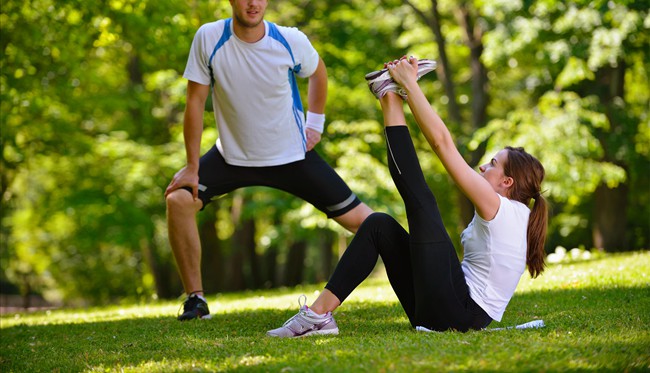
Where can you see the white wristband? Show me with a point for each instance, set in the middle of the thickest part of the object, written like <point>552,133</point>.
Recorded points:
<point>316,121</point>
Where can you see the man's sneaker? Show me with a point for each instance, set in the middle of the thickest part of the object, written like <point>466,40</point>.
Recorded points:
<point>194,307</point>
<point>380,82</point>
<point>306,322</point>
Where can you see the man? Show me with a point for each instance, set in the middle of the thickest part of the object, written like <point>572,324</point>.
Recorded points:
<point>250,66</point>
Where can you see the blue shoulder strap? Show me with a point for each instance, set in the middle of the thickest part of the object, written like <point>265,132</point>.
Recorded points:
<point>298,110</point>
<point>224,38</point>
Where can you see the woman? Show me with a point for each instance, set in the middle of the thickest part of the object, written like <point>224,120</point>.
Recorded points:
<point>436,290</point>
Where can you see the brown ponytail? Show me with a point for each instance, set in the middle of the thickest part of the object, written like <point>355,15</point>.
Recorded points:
<point>528,173</point>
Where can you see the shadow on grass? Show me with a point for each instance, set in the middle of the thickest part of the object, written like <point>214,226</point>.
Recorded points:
<point>591,326</point>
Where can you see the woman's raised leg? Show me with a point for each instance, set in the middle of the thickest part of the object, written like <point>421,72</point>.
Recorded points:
<point>440,289</point>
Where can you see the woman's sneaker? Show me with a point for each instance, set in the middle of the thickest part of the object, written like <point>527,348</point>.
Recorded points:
<point>195,307</point>
<point>306,322</point>
<point>380,82</point>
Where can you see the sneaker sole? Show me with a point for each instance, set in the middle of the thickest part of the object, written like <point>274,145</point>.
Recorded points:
<point>205,317</point>
<point>376,76</point>
<point>425,66</point>
<point>321,332</point>
<point>377,87</point>
<point>315,332</point>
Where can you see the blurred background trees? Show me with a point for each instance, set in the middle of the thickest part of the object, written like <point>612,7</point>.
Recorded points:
<point>92,97</point>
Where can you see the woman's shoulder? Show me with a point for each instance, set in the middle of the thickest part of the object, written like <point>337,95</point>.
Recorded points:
<point>511,208</point>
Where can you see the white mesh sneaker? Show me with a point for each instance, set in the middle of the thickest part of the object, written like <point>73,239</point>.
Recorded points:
<point>380,82</point>
<point>306,322</point>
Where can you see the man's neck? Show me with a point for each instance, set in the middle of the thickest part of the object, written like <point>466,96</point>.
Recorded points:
<point>249,34</point>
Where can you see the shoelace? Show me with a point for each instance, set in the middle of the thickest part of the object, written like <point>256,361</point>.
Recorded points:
<point>187,302</point>
<point>301,322</point>
<point>302,301</point>
<point>182,307</point>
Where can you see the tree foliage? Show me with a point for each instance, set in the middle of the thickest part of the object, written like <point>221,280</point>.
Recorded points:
<point>92,97</point>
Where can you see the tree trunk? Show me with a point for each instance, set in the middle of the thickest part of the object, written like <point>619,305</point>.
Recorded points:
<point>166,281</point>
<point>270,267</point>
<point>245,241</point>
<point>326,247</point>
<point>295,263</point>
<point>26,291</point>
<point>610,215</point>
<point>443,70</point>
<point>136,79</point>
<point>211,251</point>
<point>235,279</point>
<point>235,268</point>
<point>480,98</point>
<point>610,210</point>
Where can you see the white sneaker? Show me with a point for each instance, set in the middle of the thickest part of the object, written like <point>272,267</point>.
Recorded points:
<point>306,322</point>
<point>529,325</point>
<point>380,82</point>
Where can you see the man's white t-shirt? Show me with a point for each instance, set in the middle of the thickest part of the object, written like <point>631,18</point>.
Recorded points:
<point>495,256</point>
<point>256,102</point>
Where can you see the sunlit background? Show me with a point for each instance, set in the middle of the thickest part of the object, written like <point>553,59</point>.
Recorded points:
<point>92,98</point>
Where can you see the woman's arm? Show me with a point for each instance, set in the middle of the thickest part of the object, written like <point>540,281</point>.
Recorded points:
<point>472,184</point>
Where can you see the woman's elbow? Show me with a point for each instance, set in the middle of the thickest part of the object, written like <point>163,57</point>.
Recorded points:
<point>441,143</point>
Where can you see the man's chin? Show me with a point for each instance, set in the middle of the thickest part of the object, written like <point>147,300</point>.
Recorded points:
<point>251,22</point>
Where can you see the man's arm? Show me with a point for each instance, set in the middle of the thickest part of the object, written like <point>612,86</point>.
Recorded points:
<point>197,94</point>
<point>316,99</point>
<point>317,93</point>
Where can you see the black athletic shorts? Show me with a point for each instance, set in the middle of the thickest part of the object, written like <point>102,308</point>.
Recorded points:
<point>311,179</point>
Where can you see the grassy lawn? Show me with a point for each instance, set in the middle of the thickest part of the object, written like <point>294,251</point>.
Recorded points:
<point>597,316</point>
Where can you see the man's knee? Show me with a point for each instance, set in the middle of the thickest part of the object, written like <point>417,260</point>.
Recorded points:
<point>352,219</point>
<point>180,201</point>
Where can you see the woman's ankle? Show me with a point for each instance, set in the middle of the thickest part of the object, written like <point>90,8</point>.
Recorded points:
<point>326,302</point>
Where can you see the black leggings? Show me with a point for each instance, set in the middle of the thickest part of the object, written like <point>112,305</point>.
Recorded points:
<point>422,267</point>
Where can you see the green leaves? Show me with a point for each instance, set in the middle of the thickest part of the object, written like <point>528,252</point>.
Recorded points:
<point>575,71</point>
<point>92,100</point>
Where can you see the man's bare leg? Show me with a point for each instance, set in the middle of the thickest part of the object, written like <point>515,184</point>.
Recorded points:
<point>352,219</point>
<point>185,242</point>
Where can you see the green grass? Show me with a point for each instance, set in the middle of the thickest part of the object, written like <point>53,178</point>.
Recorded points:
<point>597,314</point>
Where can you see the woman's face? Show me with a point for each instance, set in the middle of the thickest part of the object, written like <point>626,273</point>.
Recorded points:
<point>494,174</point>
